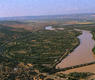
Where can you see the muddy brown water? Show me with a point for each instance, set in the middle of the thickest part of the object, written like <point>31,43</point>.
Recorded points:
<point>82,54</point>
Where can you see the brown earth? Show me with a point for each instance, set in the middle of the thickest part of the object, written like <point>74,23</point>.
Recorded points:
<point>31,26</point>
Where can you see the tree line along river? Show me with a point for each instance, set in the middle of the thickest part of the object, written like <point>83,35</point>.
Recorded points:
<point>81,55</point>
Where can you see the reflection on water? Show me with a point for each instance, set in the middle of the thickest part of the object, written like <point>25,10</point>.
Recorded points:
<point>82,54</point>
<point>49,28</point>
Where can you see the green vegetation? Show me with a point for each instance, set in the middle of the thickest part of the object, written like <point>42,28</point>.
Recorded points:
<point>7,34</point>
<point>21,72</point>
<point>94,39</point>
<point>24,55</point>
<point>42,48</point>
<point>75,75</point>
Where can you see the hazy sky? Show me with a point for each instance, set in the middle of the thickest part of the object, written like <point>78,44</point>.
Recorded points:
<point>45,7</point>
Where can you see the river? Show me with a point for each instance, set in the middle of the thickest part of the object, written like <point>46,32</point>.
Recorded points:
<point>51,28</point>
<point>82,54</point>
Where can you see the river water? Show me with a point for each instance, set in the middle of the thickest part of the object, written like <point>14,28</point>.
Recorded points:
<point>51,28</point>
<point>82,54</point>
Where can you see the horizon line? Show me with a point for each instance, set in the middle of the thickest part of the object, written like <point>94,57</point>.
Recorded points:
<point>46,15</point>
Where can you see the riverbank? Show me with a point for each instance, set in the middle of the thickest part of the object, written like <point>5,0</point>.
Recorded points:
<point>66,54</point>
<point>75,67</point>
<point>93,33</point>
<point>89,68</point>
<point>82,54</point>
